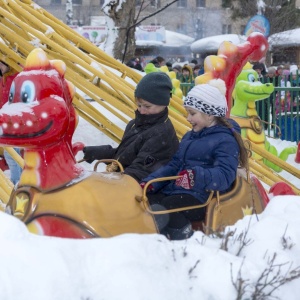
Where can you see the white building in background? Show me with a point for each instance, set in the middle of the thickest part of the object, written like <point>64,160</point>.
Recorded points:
<point>195,18</point>
<point>285,47</point>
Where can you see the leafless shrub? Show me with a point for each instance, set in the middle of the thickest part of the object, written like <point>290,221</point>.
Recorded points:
<point>203,240</point>
<point>241,238</point>
<point>239,284</point>
<point>243,241</point>
<point>173,255</point>
<point>225,240</point>
<point>286,241</point>
<point>193,268</point>
<point>184,252</point>
<point>269,281</point>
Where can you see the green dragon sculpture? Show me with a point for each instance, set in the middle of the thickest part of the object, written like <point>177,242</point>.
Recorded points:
<point>248,89</point>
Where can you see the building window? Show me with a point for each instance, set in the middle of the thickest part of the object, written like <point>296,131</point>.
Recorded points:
<point>181,3</point>
<point>226,29</point>
<point>200,3</point>
<point>77,2</point>
<point>155,3</point>
<point>243,29</point>
<point>226,3</point>
<point>181,28</point>
<point>55,1</point>
<point>199,29</point>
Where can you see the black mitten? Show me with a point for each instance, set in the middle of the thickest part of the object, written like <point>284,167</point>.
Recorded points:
<point>92,153</point>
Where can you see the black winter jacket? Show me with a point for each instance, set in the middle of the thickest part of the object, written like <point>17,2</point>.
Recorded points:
<point>149,142</point>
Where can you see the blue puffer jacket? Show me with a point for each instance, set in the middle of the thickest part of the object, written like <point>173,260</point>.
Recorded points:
<point>211,153</point>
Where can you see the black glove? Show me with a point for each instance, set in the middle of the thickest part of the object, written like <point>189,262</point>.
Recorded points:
<point>92,153</point>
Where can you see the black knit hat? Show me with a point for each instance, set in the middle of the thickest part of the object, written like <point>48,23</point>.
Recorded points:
<point>155,88</point>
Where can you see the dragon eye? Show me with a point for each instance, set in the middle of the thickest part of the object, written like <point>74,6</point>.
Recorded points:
<point>251,78</point>
<point>12,92</point>
<point>27,92</point>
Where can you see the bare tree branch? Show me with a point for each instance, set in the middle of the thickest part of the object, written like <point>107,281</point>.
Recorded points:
<point>139,22</point>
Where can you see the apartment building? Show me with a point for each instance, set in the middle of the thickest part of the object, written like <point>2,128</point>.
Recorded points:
<point>195,18</point>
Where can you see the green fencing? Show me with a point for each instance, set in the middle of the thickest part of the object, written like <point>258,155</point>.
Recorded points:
<point>280,112</point>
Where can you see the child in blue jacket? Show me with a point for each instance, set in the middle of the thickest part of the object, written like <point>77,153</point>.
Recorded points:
<point>207,159</point>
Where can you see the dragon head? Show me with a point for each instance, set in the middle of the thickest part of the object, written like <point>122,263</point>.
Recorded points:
<point>248,89</point>
<point>39,110</point>
<point>230,60</point>
<point>40,118</point>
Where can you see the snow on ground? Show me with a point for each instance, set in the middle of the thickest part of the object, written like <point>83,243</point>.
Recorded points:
<point>140,267</point>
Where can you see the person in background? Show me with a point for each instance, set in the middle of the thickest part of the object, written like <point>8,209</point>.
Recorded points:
<point>169,65</point>
<point>201,71</point>
<point>279,70</point>
<point>7,76</point>
<point>283,99</point>
<point>138,65</point>
<point>149,140</point>
<point>196,70</point>
<point>154,61</point>
<point>295,83</point>
<point>161,61</point>
<point>131,63</point>
<point>187,76</point>
<point>272,76</point>
<point>194,61</point>
<point>192,65</point>
<point>178,70</point>
<point>259,68</point>
<point>207,160</point>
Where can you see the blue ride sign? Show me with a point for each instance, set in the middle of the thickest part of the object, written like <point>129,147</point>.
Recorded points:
<point>258,23</point>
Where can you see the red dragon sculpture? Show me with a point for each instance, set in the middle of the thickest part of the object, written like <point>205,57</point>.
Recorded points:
<point>55,196</point>
<point>28,120</point>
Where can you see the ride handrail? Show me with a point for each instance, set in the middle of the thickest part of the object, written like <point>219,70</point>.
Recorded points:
<point>113,161</point>
<point>144,198</point>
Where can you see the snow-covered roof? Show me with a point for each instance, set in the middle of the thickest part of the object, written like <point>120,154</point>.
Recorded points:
<point>212,43</point>
<point>173,39</point>
<point>285,38</point>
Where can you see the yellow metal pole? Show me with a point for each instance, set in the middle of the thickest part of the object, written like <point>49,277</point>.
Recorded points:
<point>268,176</point>
<point>15,155</point>
<point>6,184</point>
<point>276,160</point>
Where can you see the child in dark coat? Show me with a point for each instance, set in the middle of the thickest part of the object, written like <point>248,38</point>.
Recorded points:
<point>149,140</point>
<point>207,160</point>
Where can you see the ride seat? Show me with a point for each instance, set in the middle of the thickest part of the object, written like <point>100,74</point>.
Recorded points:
<point>223,210</point>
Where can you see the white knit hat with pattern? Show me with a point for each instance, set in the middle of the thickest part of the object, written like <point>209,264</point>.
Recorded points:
<point>208,98</point>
